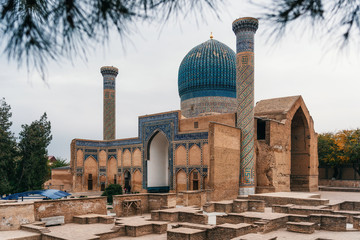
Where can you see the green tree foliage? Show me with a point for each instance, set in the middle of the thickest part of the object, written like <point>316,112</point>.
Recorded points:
<point>112,189</point>
<point>340,148</point>
<point>338,18</point>
<point>60,162</point>
<point>349,144</point>
<point>328,150</point>
<point>32,168</point>
<point>38,31</point>
<point>8,149</point>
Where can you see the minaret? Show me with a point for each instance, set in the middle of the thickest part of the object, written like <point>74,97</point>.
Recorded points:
<point>109,74</point>
<point>244,29</point>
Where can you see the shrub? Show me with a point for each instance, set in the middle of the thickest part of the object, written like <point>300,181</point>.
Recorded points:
<point>112,189</point>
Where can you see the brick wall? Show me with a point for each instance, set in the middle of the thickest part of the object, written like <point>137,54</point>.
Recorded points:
<point>149,202</point>
<point>12,215</point>
<point>70,207</point>
<point>224,142</point>
<point>194,198</point>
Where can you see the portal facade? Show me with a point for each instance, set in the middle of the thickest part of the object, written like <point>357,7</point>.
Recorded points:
<point>219,141</point>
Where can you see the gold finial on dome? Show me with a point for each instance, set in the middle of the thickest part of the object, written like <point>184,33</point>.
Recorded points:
<point>211,36</point>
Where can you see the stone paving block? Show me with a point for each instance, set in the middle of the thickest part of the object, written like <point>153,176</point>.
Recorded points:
<point>224,206</point>
<point>356,222</point>
<point>333,223</point>
<point>138,230</point>
<point>227,231</point>
<point>298,218</point>
<point>349,214</point>
<point>301,227</point>
<point>159,227</point>
<point>240,205</point>
<point>254,236</point>
<point>233,218</point>
<point>182,233</point>
<point>256,206</point>
<point>52,221</point>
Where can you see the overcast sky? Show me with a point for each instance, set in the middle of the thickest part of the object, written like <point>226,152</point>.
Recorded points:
<point>148,61</point>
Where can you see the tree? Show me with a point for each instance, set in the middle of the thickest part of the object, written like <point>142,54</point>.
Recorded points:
<point>349,144</point>
<point>340,148</point>
<point>32,168</point>
<point>38,31</point>
<point>328,150</point>
<point>337,18</point>
<point>8,151</point>
<point>112,189</point>
<point>60,162</point>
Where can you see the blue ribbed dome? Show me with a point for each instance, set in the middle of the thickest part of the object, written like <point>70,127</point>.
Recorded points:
<point>209,69</point>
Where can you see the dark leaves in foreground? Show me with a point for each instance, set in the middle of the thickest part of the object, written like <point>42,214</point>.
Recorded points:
<point>36,31</point>
<point>339,19</point>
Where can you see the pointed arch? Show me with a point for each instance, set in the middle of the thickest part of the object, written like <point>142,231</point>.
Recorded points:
<point>127,181</point>
<point>102,158</point>
<point>180,156</point>
<point>119,155</point>
<point>205,154</point>
<point>181,181</point>
<point>79,158</point>
<point>194,180</point>
<point>195,155</point>
<point>111,171</point>
<point>157,165</point>
<point>91,174</point>
<point>155,133</point>
<point>137,158</point>
<point>127,158</point>
<point>136,181</point>
<point>300,152</point>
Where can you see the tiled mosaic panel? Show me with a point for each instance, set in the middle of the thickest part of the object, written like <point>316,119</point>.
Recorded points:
<point>208,70</point>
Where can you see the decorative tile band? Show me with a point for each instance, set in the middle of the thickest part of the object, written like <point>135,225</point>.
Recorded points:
<point>244,29</point>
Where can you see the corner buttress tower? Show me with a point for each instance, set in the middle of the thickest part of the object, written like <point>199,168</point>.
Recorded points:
<point>109,74</point>
<point>244,29</point>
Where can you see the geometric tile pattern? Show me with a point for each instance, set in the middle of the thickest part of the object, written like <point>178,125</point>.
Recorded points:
<point>208,70</point>
<point>244,29</point>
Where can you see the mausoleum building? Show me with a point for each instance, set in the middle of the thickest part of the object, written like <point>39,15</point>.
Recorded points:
<point>219,141</point>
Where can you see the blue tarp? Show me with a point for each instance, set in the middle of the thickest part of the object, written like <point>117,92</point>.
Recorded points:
<point>49,193</point>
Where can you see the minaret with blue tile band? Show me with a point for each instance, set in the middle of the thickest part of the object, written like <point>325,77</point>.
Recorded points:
<point>109,74</point>
<point>244,29</point>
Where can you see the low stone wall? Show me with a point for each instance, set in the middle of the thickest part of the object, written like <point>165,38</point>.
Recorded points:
<point>70,207</point>
<point>194,198</point>
<point>159,201</point>
<point>12,215</point>
<point>339,183</point>
<point>149,202</point>
<point>356,222</point>
<point>333,223</point>
<point>119,199</point>
<point>350,206</point>
<point>272,200</point>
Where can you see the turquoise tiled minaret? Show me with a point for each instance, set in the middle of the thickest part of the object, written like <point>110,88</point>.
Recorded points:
<point>109,74</point>
<point>244,29</point>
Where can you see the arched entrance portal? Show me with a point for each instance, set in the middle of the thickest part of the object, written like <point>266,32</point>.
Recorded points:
<point>158,164</point>
<point>300,152</point>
